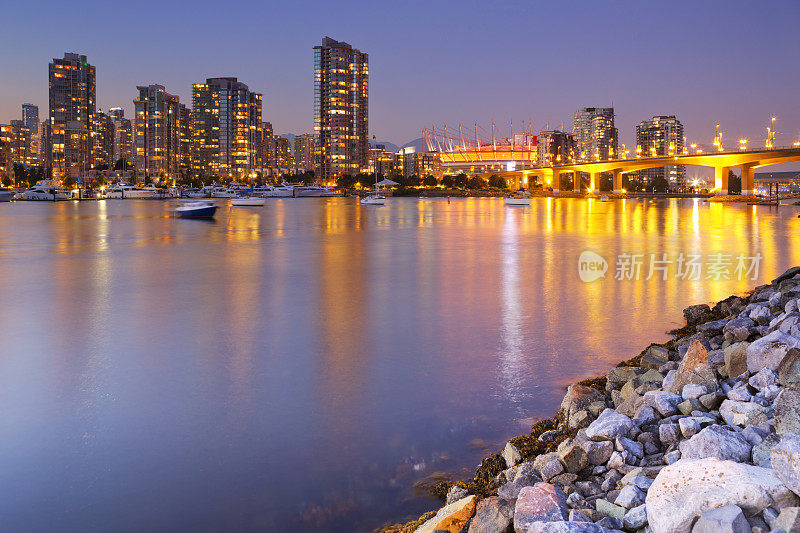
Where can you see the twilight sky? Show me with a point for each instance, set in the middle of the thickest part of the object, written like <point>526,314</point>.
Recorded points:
<point>728,62</point>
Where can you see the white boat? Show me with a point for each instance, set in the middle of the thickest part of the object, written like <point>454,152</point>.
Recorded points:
<point>46,190</point>
<point>274,191</point>
<point>309,191</point>
<point>248,201</point>
<point>518,198</point>
<point>198,209</point>
<point>157,192</point>
<point>223,192</point>
<point>604,198</point>
<point>374,199</point>
<point>6,195</point>
<point>129,192</point>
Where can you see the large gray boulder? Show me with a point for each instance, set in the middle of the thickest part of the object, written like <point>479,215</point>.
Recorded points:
<point>683,491</point>
<point>577,400</point>
<point>727,519</point>
<point>787,411</point>
<point>718,442</point>
<point>789,369</point>
<point>738,329</point>
<point>743,414</point>
<point>785,458</point>
<point>492,515</point>
<point>735,356</point>
<point>609,425</point>
<point>542,502</point>
<point>769,351</point>
<point>666,403</point>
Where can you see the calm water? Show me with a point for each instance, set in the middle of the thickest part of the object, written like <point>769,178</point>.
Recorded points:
<point>303,364</point>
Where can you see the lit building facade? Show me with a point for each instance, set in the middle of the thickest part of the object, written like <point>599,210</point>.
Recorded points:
<point>6,141</point>
<point>283,153</point>
<point>123,136</point>
<point>23,147</point>
<point>304,152</point>
<point>102,141</point>
<point>30,117</point>
<point>555,147</point>
<point>661,136</point>
<point>72,93</point>
<point>159,130</point>
<point>420,164</point>
<point>265,148</point>
<point>596,136</point>
<point>341,109</point>
<point>226,124</point>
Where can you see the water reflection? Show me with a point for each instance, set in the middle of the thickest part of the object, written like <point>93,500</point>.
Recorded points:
<point>304,363</point>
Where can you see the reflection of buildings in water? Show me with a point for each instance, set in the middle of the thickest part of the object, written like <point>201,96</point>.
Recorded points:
<point>513,373</point>
<point>342,317</point>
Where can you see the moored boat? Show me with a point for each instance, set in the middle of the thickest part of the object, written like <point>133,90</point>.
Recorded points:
<point>46,190</point>
<point>200,209</point>
<point>6,195</point>
<point>520,197</point>
<point>248,201</point>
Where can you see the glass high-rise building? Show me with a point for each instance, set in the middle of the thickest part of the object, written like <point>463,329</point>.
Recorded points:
<point>160,132</point>
<point>123,136</point>
<point>30,117</point>
<point>72,94</point>
<point>341,109</point>
<point>596,137</point>
<point>662,135</point>
<point>304,152</point>
<point>226,124</point>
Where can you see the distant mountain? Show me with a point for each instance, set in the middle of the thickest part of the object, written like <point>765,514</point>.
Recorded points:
<point>418,143</point>
<point>391,147</point>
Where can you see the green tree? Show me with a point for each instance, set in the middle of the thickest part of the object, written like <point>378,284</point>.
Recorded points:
<point>6,180</point>
<point>476,182</point>
<point>448,182</point>
<point>461,181</point>
<point>430,181</point>
<point>497,182</point>
<point>68,182</point>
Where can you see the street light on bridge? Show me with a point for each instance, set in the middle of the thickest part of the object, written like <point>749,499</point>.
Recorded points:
<point>742,144</point>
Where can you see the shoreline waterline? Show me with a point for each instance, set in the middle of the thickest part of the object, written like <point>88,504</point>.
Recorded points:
<point>514,477</point>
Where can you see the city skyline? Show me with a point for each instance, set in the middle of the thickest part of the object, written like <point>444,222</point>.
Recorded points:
<point>417,77</point>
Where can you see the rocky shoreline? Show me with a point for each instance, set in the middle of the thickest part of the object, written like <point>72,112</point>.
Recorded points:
<point>700,434</point>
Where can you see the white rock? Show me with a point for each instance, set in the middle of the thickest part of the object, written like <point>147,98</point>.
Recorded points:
<point>742,413</point>
<point>785,460</point>
<point>683,491</point>
<point>692,391</point>
<point>716,441</point>
<point>769,351</point>
<point>511,455</point>
<point>609,425</point>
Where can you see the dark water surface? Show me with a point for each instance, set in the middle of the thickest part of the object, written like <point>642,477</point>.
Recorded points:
<point>301,365</point>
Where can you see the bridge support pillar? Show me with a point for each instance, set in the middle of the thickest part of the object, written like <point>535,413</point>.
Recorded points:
<point>594,181</point>
<point>617,181</point>
<point>576,181</point>
<point>555,179</point>
<point>748,180</point>
<point>721,180</point>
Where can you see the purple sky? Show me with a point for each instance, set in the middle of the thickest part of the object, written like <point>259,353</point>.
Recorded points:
<point>707,62</point>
